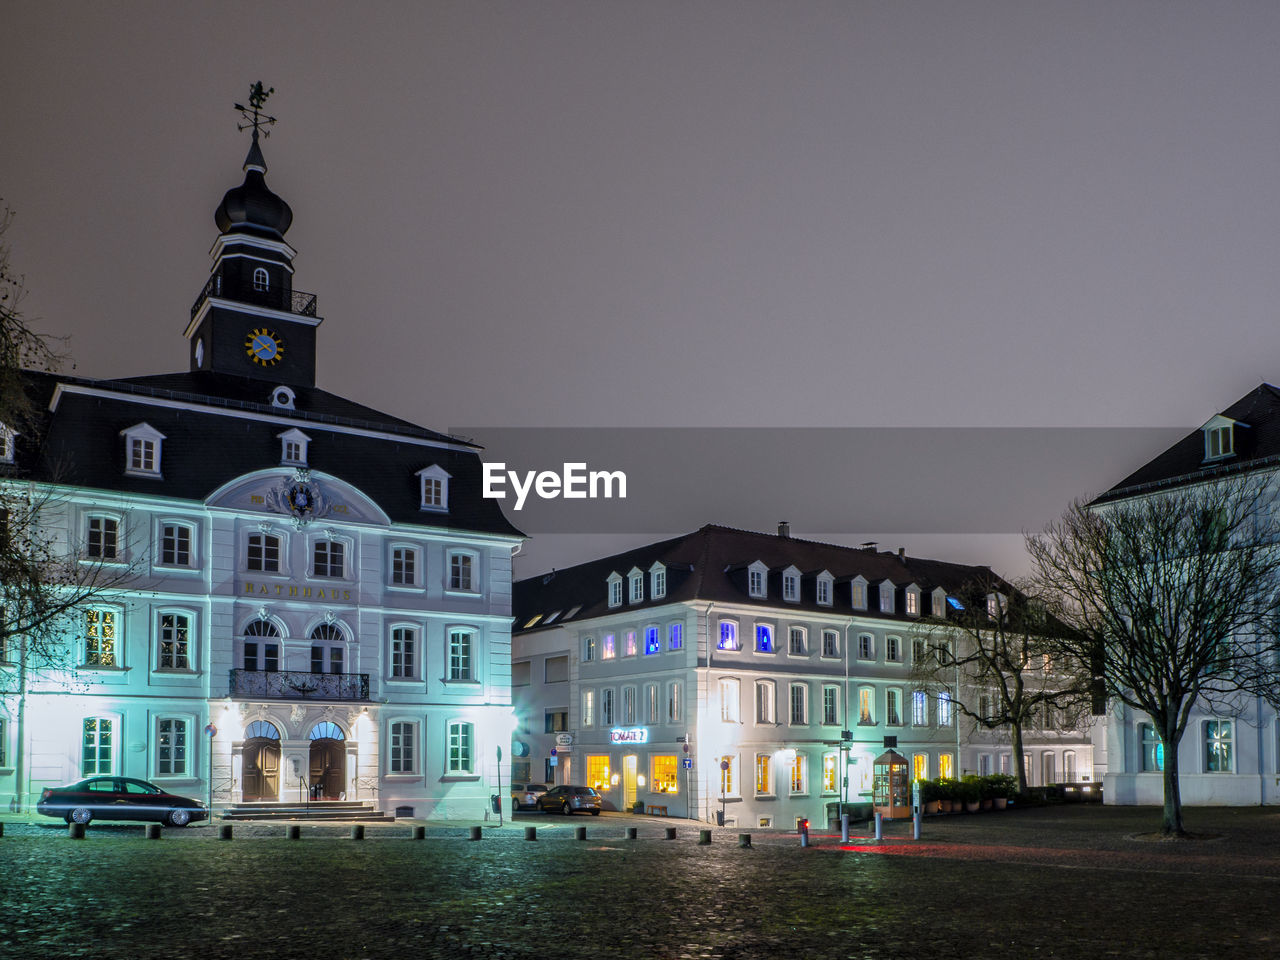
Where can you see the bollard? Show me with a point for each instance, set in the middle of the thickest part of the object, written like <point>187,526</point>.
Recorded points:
<point>357,831</point>
<point>631,833</point>
<point>475,833</point>
<point>418,833</point>
<point>879,827</point>
<point>804,833</point>
<point>579,833</point>
<point>1,828</point>
<point>704,837</point>
<point>916,825</point>
<point>844,828</point>
<point>294,832</point>
<point>153,831</point>
<point>531,833</point>
<point>744,839</point>
<point>671,833</point>
<point>224,832</point>
<point>75,831</point>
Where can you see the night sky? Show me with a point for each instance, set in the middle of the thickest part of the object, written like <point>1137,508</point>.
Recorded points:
<point>683,214</point>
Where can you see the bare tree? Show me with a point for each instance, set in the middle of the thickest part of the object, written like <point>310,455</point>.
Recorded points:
<point>1172,599</point>
<point>991,658</point>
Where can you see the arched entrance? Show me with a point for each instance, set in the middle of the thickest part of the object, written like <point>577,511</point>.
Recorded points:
<point>260,777</point>
<point>328,761</point>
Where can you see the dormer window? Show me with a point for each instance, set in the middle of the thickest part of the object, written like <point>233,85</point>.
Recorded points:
<point>757,579</point>
<point>293,448</point>
<point>142,450</point>
<point>615,589</point>
<point>636,580</point>
<point>1219,438</point>
<point>913,600</point>
<point>939,603</point>
<point>886,596</point>
<point>791,585</point>
<point>858,593</point>
<point>657,581</point>
<point>261,280</point>
<point>283,398</point>
<point>995,605</point>
<point>6,444</point>
<point>433,488</point>
<point>823,586</point>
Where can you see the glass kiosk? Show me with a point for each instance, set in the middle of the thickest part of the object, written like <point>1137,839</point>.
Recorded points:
<point>891,785</point>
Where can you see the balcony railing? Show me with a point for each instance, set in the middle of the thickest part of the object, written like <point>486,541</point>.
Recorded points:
<point>302,304</point>
<point>295,685</point>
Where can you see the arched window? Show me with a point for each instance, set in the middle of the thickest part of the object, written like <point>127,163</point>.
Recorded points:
<point>261,280</point>
<point>327,644</point>
<point>327,730</point>
<point>261,646</point>
<point>261,730</point>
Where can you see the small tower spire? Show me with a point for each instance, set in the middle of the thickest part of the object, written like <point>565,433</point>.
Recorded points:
<point>255,118</point>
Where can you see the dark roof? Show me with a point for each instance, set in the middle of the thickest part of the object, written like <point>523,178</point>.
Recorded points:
<point>711,562</point>
<point>1257,445</point>
<point>223,431</point>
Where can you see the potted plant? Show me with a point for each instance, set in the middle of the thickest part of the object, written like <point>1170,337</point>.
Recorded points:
<point>1003,787</point>
<point>948,789</point>
<point>970,793</point>
<point>930,795</point>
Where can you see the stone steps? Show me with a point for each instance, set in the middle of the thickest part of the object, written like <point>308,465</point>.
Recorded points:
<point>321,810</point>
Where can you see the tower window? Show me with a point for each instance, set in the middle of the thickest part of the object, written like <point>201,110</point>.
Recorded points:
<point>261,280</point>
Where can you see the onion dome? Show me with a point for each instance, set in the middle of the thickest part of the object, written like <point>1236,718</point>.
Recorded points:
<point>252,207</point>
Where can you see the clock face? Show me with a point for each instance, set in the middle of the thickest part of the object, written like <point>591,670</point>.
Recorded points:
<point>264,347</point>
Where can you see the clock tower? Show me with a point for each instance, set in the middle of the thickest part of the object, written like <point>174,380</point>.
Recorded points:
<point>248,320</point>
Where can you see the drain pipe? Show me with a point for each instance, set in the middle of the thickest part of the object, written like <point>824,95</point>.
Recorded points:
<point>706,708</point>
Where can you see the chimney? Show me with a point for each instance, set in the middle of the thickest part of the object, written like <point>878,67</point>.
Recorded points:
<point>784,529</point>
<point>902,554</point>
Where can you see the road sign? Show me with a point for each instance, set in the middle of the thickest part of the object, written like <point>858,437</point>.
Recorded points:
<point>687,762</point>
<point>553,751</point>
<point>210,730</point>
<point>555,761</point>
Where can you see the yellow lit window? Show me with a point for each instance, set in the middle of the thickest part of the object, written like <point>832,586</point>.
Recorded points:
<point>598,772</point>
<point>100,638</point>
<point>726,776</point>
<point>829,773</point>
<point>662,773</point>
<point>945,766</point>
<point>920,766</point>
<point>762,773</point>
<point>799,774</point>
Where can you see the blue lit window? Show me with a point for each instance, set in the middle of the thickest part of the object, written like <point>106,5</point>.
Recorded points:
<point>728,635</point>
<point>651,642</point>
<point>764,638</point>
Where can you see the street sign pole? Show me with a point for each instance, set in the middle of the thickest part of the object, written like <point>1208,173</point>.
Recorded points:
<point>210,731</point>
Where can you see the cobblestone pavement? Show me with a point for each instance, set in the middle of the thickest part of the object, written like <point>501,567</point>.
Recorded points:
<point>1050,882</point>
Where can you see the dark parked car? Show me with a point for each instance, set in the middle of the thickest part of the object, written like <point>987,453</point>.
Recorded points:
<point>570,800</point>
<point>524,796</point>
<point>118,798</point>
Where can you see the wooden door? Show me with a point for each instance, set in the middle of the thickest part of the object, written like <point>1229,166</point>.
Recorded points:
<point>261,770</point>
<point>328,767</point>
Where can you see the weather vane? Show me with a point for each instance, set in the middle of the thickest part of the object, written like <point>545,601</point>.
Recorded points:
<point>253,115</point>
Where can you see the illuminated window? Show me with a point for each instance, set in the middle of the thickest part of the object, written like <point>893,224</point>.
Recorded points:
<point>764,638</point>
<point>460,655</point>
<point>629,705</point>
<point>673,701</point>
<point>830,705</point>
<point>913,603</point>
<point>651,642</point>
<point>675,636</point>
<point>404,566</point>
<point>727,771</point>
<point>462,572</point>
<point>919,708</point>
<point>764,773</point>
<point>175,545</point>
<point>100,638</point>
<point>800,774</point>
<point>1217,746</point>
<point>104,539</point>
<point>97,747</point>
<point>893,649</point>
<point>944,709</point>
<point>796,641</point>
<point>404,651</point>
<point>939,603</point>
<point>663,776</point>
<point>892,711</point>
<point>328,558</point>
<point>171,747</point>
<point>606,707</point>
<point>728,635</point>
<point>858,595</point>
<point>598,772</point>
<point>175,632</point>
<point>1152,748</point>
<point>631,643</point>
<point>765,697</point>
<point>461,743</point>
<point>830,643</point>
<point>610,648</point>
<point>799,703</point>
<point>866,705</point>
<point>264,553</point>
<point>946,766</point>
<point>403,737</point>
<point>866,646</point>
<point>886,597</point>
<point>729,693</point>
<point>588,708</point>
<point>588,649</point>
<point>920,766</point>
<point>828,773</point>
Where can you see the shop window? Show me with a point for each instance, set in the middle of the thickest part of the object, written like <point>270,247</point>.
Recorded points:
<point>663,773</point>
<point>598,772</point>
